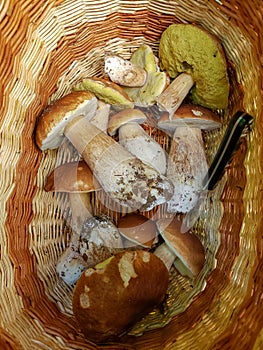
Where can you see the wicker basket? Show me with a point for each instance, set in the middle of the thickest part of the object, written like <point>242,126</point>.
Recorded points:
<point>46,46</point>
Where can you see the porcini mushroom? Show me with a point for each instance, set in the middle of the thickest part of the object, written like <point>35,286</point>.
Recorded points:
<point>184,250</point>
<point>138,230</point>
<point>187,165</point>
<point>156,81</point>
<point>125,178</point>
<point>76,179</point>
<point>136,140</point>
<point>111,297</point>
<point>187,48</point>
<point>124,72</point>
<point>106,91</point>
<point>98,239</point>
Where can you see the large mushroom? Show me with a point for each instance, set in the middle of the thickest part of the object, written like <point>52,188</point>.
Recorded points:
<point>187,165</point>
<point>111,297</point>
<point>189,50</point>
<point>124,177</point>
<point>136,140</point>
<point>184,250</point>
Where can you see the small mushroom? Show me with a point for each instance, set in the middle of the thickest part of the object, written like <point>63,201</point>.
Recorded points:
<point>106,91</point>
<point>124,72</point>
<point>184,250</point>
<point>98,239</point>
<point>124,177</point>
<point>156,81</point>
<point>187,165</point>
<point>187,48</point>
<point>137,230</point>
<point>136,140</point>
<point>111,297</point>
<point>76,179</point>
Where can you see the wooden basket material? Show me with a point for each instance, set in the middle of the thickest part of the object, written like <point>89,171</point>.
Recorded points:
<point>44,47</point>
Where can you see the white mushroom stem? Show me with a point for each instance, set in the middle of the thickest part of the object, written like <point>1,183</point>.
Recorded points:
<point>175,93</point>
<point>166,255</point>
<point>98,240</point>
<point>124,177</point>
<point>81,209</point>
<point>137,141</point>
<point>186,168</point>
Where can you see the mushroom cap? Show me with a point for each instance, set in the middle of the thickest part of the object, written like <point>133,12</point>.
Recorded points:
<point>117,293</point>
<point>52,122</point>
<point>123,117</point>
<point>124,72</point>
<point>72,177</point>
<point>186,246</point>
<point>190,49</point>
<point>155,83</point>
<point>192,116</point>
<point>138,229</point>
<point>107,91</point>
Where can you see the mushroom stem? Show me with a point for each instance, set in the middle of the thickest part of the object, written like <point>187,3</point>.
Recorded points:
<point>137,141</point>
<point>166,255</point>
<point>81,209</point>
<point>175,93</point>
<point>123,176</point>
<point>186,168</point>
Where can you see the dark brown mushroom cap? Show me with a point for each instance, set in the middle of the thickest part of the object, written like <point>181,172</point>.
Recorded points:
<point>111,297</point>
<point>52,122</point>
<point>190,115</point>
<point>186,246</point>
<point>123,117</point>
<point>72,177</point>
<point>138,229</point>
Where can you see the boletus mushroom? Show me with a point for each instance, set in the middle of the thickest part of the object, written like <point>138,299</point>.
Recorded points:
<point>136,140</point>
<point>138,231</point>
<point>184,250</point>
<point>98,239</point>
<point>156,80</point>
<point>124,72</point>
<point>187,165</point>
<point>124,177</point>
<point>76,179</point>
<point>111,297</point>
<point>191,50</point>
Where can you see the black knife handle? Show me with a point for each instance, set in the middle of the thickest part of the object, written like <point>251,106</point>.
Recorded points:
<point>236,126</point>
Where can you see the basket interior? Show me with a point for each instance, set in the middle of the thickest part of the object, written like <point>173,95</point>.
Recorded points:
<point>59,44</point>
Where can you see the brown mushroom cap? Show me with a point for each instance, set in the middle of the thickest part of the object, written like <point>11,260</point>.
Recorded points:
<point>52,122</point>
<point>138,229</point>
<point>192,116</point>
<point>123,117</point>
<point>72,177</point>
<point>111,297</point>
<point>186,246</point>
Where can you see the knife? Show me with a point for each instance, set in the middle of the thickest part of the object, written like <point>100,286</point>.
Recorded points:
<point>239,125</point>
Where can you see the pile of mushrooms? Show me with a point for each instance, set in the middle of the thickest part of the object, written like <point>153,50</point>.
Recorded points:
<point>106,120</point>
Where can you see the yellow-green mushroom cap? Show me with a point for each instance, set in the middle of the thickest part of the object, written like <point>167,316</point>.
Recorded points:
<point>188,48</point>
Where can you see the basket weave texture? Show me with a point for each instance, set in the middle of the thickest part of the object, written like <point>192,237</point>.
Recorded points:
<point>45,47</point>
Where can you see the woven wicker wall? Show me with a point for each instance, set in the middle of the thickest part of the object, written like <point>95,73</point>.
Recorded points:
<point>45,46</point>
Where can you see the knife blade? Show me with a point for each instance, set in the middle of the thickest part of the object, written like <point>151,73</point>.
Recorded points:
<point>238,126</point>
